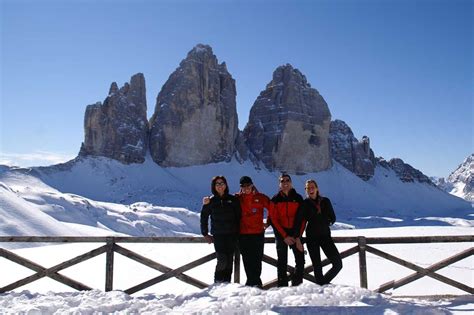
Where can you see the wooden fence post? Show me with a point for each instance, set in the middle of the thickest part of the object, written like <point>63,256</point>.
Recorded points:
<point>237,266</point>
<point>109,264</point>
<point>361,241</point>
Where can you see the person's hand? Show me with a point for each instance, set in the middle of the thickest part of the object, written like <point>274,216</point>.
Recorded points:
<point>206,200</point>
<point>209,239</point>
<point>299,245</point>
<point>289,240</point>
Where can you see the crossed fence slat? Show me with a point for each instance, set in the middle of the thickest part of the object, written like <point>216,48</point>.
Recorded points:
<point>111,247</point>
<point>421,272</point>
<point>155,265</point>
<point>48,272</point>
<point>170,274</point>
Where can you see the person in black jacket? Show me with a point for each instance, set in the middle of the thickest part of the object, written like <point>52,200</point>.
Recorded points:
<point>317,211</point>
<point>224,210</point>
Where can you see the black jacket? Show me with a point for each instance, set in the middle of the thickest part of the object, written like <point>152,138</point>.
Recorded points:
<point>318,222</point>
<point>225,215</point>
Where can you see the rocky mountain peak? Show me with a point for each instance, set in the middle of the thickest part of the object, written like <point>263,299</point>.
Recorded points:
<point>355,155</point>
<point>287,117</point>
<point>195,120</point>
<point>288,75</point>
<point>461,180</point>
<point>407,173</point>
<point>113,88</point>
<point>118,128</point>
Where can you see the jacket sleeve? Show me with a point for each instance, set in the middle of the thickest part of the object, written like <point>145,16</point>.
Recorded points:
<point>330,212</point>
<point>267,204</point>
<point>205,212</point>
<point>300,220</point>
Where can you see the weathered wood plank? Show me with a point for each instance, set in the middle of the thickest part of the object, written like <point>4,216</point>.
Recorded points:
<point>237,266</point>
<point>191,239</point>
<point>361,243</point>
<point>170,274</point>
<point>157,266</point>
<point>109,266</point>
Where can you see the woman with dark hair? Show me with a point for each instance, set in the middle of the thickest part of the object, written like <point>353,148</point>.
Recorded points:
<point>252,229</point>
<point>317,211</point>
<point>224,210</point>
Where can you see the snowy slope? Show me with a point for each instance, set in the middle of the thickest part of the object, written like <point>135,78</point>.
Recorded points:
<point>30,207</point>
<point>357,202</point>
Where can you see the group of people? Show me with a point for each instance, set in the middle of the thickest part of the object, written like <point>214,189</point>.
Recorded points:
<point>238,221</point>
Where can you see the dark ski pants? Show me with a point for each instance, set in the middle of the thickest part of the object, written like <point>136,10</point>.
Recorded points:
<point>225,248</point>
<point>331,252</point>
<point>251,248</point>
<point>282,254</point>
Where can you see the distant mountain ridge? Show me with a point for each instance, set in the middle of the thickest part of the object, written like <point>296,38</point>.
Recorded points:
<point>461,181</point>
<point>195,122</point>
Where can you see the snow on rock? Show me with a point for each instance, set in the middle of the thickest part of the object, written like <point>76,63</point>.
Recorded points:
<point>220,299</point>
<point>462,179</point>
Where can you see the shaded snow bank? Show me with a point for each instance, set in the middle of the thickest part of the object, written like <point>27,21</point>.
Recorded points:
<point>307,298</point>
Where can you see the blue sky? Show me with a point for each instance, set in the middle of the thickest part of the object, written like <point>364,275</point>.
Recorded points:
<point>400,72</point>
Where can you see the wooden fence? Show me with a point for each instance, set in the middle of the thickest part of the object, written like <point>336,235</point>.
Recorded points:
<point>112,246</point>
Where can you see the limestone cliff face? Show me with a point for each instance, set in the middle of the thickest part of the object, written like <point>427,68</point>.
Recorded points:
<point>195,120</point>
<point>118,128</point>
<point>288,126</point>
<point>355,155</point>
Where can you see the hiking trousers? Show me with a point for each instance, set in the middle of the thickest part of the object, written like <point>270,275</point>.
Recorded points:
<point>330,250</point>
<point>251,248</point>
<point>282,254</point>
<point>225,246</point>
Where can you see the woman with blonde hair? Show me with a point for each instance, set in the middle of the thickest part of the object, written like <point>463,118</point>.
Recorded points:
<point>317,215</point>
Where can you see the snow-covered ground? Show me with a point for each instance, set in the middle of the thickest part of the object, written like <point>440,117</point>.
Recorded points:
<point>232,299</point>
<point>102,197</point>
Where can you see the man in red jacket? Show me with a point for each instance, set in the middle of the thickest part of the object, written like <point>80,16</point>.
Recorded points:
<point>282,217</point>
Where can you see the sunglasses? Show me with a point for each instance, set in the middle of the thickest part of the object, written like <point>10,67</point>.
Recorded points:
<point>246,185</point>
<point>220,184</point>
<point>285,181</point>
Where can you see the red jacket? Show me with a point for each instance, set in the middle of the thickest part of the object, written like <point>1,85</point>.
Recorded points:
<point>283,213</point>
<point>252,205</point>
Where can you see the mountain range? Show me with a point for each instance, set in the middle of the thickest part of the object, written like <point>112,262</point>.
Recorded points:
<point>195,123</point>
<point>130,166</point>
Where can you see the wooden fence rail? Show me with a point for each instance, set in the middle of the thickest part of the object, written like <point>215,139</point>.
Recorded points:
<point>111,246</point>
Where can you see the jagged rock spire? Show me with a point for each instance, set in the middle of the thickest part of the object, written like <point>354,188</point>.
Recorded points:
<point>195,119</point>
<point>288,126</point>
<point>118,128</point>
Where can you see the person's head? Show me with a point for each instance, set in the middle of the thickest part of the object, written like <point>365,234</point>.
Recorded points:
<point>285,183</point>
<point>312,189</point>
<point>246,185</point>
<point>219,186</point>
